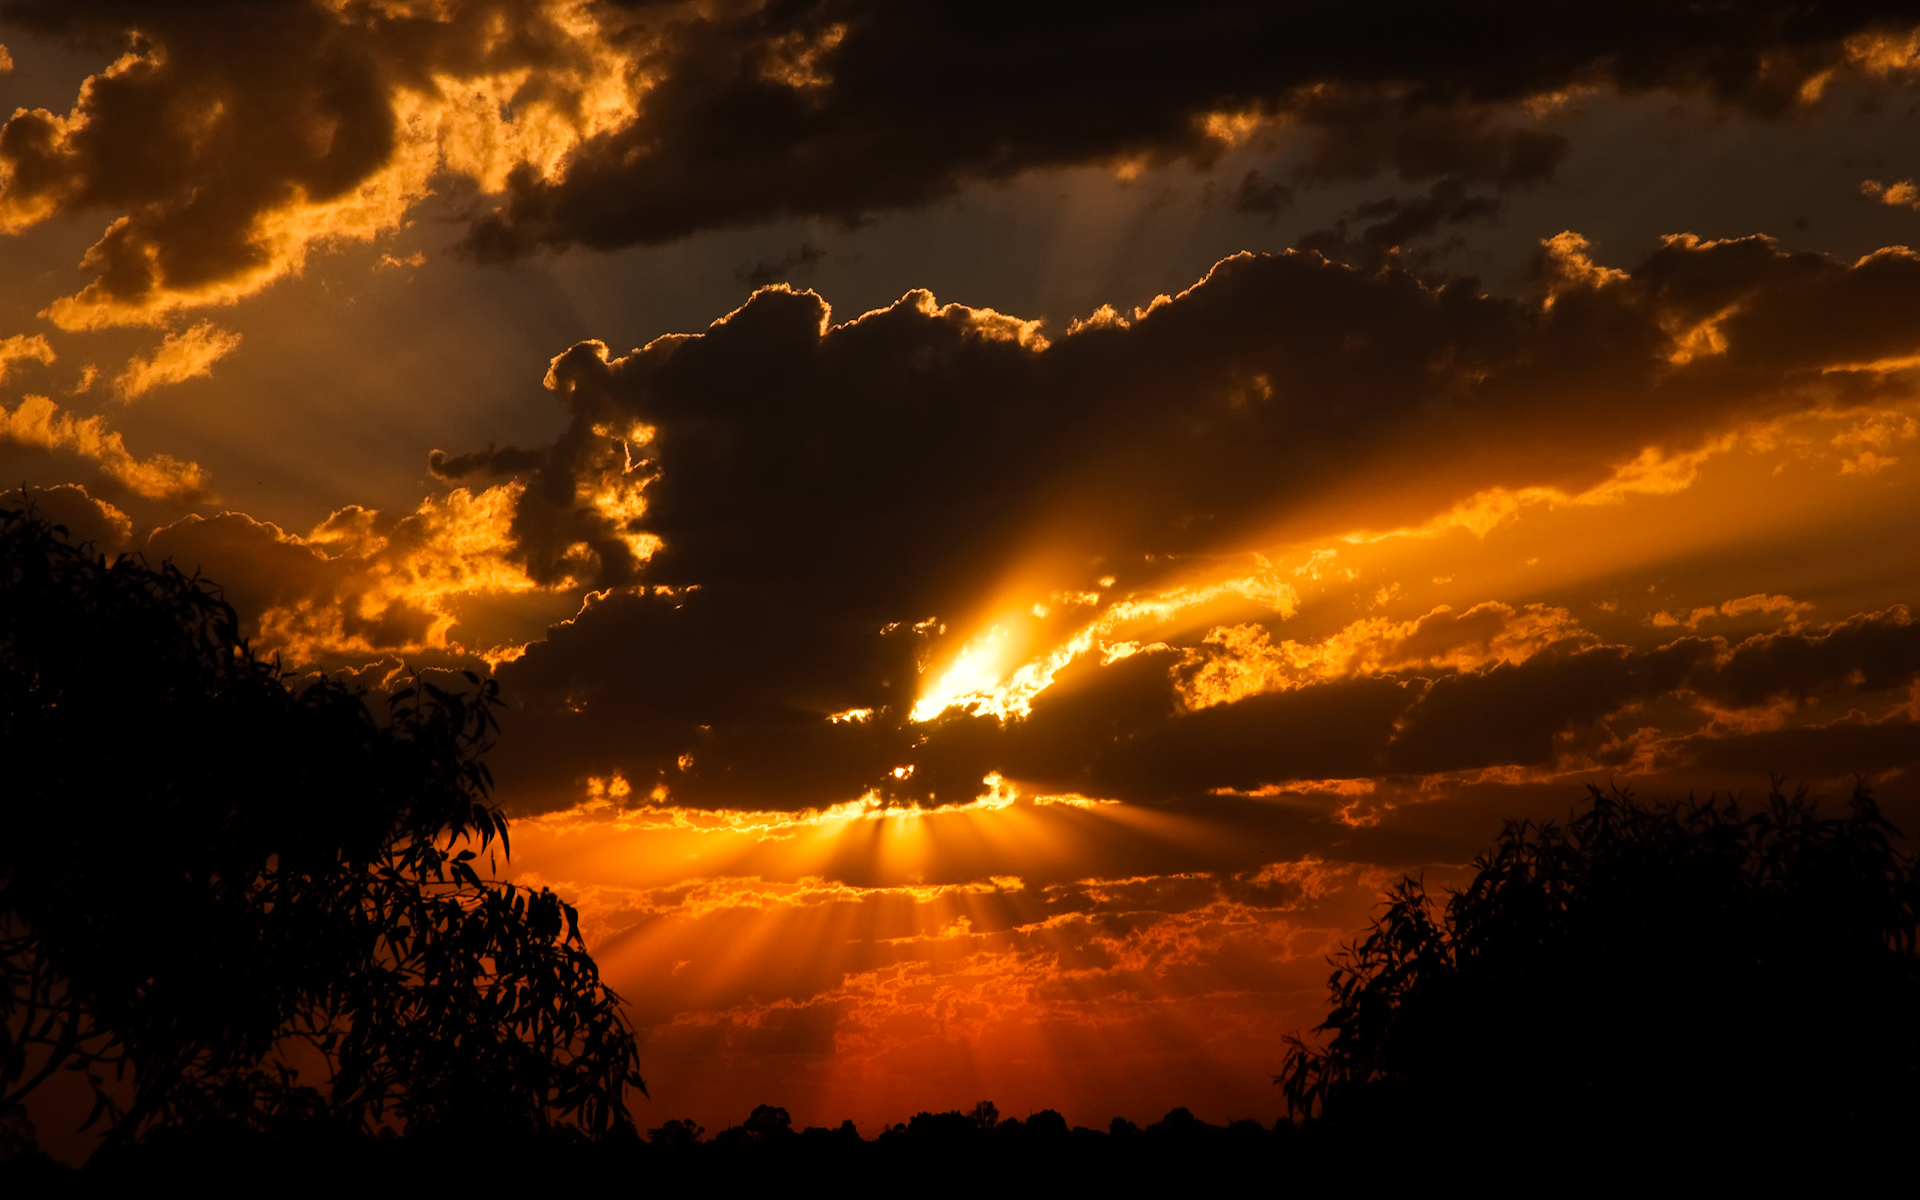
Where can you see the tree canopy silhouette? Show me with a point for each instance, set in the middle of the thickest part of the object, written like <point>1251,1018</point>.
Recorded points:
<point>1690,966</point>
<point>237,903</point>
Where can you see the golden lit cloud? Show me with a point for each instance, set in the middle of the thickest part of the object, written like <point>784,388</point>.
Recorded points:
<point>37,423</point>
<point>366,583</point>
<point>980,682</point>
<point>291,145</point>
<point>23,348</point>
<point>181,356</point>
<point>1237,661</point>
<point>1898,195</point>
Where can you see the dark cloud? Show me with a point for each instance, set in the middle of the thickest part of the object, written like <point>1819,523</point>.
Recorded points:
<point>480,464</point>
<point>258,567</point>
<point>366,583</point>
<point>1871,652</point>
<point>223,120</point>
<point>1257,195</point>
<point>1510,714</point>
<point>85,518</point>
<point>802,507</point>
<point>882,461</point>
<point>1117,731</point>
<point>1414,723</point>
<point>902,106</point>
<point>234,135</point>
<point>791,265</point>
<point>1391,223</point>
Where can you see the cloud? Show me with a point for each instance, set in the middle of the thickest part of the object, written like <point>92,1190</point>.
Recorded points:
<point>933,508</point>
<point>23,348</point>
<point>891,111</point>
<point>1392,223</point>
<point>506,460</point>
<point>365,583</point>
<point>788,266</point>
<point>181,356</point>
<point>1233,662</point>
<point>1759,603</point>
<point>226,144</point>
<point>1257,195</point>
<point>1870,652</point>
<point>85,517</point>
<point>229,142</point>
<point>1895,195</point>
<point>848,985</point>
<point>37,424</point>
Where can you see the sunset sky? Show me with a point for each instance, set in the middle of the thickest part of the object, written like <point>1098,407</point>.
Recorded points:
<point>1002,527</point>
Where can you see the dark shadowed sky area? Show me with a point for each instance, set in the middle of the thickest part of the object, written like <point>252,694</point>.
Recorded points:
<point>1002,528</point>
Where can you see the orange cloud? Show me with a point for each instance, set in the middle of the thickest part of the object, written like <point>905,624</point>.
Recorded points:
<point>181,356</point>
<point>1237,661</point>
<point>366,583</point>
<point>1897,195</point>
<point>23,348</point>
<point>37,423</point>
<point>288,128</point>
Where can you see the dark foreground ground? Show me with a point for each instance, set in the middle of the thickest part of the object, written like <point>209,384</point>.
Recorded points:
<point>955,1154</point>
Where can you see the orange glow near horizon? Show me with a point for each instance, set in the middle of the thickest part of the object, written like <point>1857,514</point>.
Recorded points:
<point>875,999</point>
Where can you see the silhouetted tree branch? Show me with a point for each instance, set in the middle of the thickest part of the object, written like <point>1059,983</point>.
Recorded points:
<point>1683,965</point>
<point>210,880</point>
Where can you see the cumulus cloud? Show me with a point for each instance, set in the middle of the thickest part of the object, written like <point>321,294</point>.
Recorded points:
<point>1275,377</point>
<point>181,356</point>
<point>225,144</point>
<point>86,518</point>
<point>365,583</point>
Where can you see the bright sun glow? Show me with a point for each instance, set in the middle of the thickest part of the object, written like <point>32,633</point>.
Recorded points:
<point>971,679</point>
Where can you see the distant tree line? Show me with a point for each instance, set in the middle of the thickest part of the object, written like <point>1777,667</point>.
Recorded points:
<point>947,1153</point>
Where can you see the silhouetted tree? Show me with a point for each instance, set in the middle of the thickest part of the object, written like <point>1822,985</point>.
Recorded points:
<point>1688,970</point>
<point>210,879</point>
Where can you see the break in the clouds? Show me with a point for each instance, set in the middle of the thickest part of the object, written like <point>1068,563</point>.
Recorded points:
<point>225,142</point>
